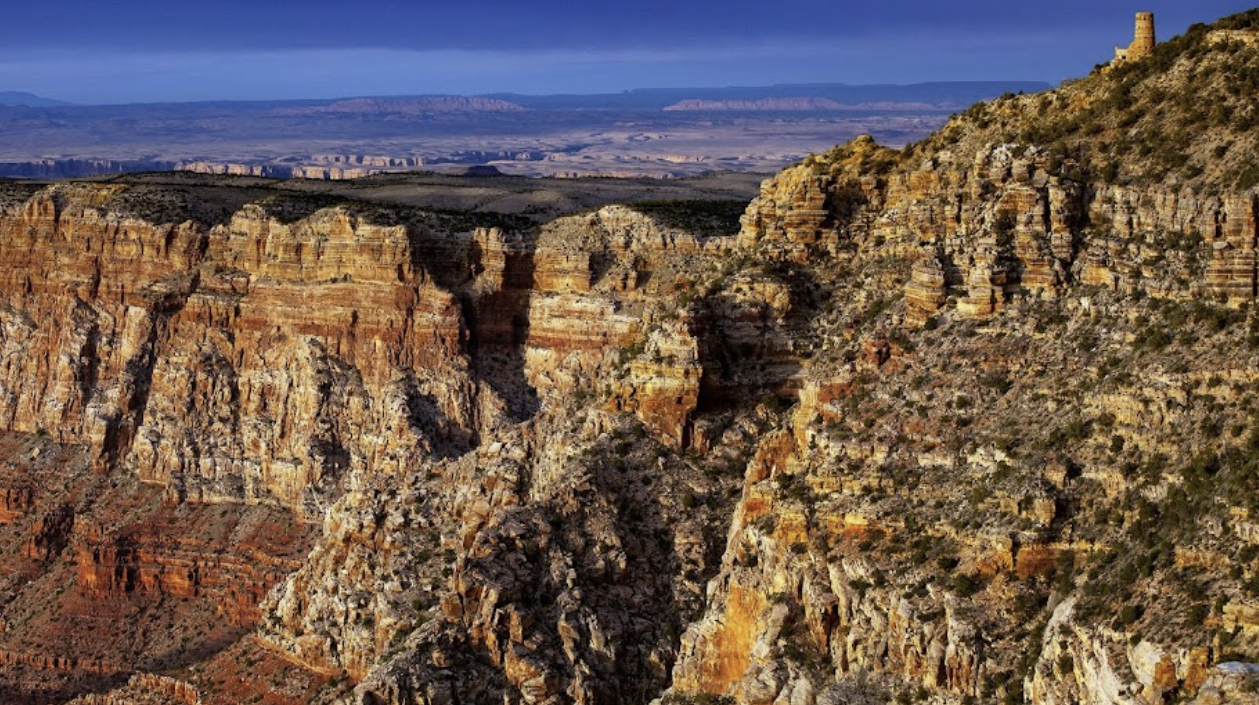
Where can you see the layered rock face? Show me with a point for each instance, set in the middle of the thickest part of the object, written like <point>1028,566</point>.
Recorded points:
<point>997,223</point>
<point>608,459</point>
<point>924,508</point>
<point>937,508</point>
<point>992,485</point>
<point>103,578</point>
<point>542,566</point>
<point>260,361</point>
<point>146,689</point>
<point>282,358</point>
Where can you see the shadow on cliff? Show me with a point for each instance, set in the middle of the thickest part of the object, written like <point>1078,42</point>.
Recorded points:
<point>596,579</point>
<point>750,345</point>
<point>496,318</point>
<point>175,659</point>
<point>647,588</point>
<point>163,304</point>
<point>86,685</point>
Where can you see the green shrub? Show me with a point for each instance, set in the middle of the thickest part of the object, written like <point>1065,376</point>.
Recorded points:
<point>1127,615</point>
<point>965,584</point>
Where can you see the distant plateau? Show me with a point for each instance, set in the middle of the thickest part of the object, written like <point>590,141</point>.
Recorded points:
<point>663,133</point>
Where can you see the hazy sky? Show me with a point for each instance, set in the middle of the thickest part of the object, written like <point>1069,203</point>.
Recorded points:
<point>107,51</point>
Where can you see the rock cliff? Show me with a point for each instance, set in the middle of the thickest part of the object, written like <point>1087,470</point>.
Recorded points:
<point>313,361</point>
<point>971,421</point>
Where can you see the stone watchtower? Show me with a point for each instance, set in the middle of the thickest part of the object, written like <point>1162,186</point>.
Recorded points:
<point>1143,41</point>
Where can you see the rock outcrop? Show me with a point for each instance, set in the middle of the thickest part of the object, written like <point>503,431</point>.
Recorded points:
<point>146,689</point>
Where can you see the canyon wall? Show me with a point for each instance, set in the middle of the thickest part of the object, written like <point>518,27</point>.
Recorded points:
<point>736,466</point>
<point>291,360</point>
<point>959,423</point>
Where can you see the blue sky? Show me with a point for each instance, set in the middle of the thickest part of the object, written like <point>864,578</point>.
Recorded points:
<point>112,51</point>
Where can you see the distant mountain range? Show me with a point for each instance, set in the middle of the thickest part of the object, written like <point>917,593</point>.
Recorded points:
<point>946,95</point>
<point>18,98</point>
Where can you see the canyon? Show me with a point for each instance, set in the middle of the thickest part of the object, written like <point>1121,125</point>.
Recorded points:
<point>967,421</point>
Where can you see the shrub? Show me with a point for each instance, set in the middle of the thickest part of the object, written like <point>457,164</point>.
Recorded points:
<point>965,584</point>
<point>1128,615</point>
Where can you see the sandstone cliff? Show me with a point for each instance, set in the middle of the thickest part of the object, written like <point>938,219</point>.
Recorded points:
<point>285,357</point>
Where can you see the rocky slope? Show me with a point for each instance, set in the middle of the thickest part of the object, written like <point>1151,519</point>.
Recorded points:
<point>967,422</point>
<point>1019,464</point>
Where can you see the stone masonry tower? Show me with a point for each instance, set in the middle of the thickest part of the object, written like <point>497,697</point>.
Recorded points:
<point>1143,41</point>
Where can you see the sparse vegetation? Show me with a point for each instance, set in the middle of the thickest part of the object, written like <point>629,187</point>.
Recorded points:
<point>703,218</point>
